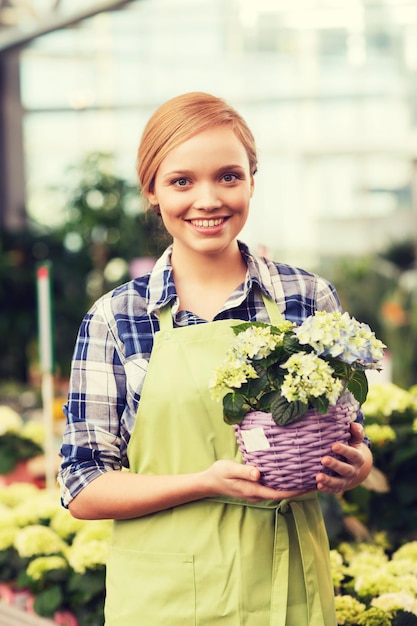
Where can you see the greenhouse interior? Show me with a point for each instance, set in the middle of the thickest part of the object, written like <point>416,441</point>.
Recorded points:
<point>329,90</point>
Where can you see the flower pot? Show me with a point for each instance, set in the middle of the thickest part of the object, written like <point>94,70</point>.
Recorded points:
<point>289,457</point>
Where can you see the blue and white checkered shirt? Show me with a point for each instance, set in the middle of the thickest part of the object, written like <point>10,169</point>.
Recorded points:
<point>115,342</point>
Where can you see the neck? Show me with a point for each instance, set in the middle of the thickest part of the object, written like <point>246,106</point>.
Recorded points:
<point>210,268</point>
<point>204,283</point>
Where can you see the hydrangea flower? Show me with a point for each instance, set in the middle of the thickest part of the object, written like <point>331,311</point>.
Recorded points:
<point>309,377</point>
<point>374,617</point>
<point>10,420</point>
<point>42,565</point>
<point>65,525</point>
<point>88,556</point>
<point>233,373</point>
<point>391,602</point>
<point>348,610</point>
<point>341,336</point>
<point>287,369</point>
<point>407,551</point>
<point>14,494</point>
<point>379,434</point>
<point>34,430</point>
<point>337,567</point>
<point>386,399</point>
<point>7,537</point>
<point>39,507</point>
<point>38,540</point>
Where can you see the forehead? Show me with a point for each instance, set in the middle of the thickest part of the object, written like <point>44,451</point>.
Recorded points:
<point>212,146</point>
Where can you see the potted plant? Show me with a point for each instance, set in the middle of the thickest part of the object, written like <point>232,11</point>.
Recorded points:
<point>286,388</point>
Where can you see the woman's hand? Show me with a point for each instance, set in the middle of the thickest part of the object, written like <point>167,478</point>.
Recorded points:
<point>228,478</point>
<point>352,469</point>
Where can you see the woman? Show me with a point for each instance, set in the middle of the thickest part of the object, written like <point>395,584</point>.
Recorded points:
<point>197,538</point>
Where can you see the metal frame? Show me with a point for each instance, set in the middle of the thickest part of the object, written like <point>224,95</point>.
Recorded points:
<point>12,164</point>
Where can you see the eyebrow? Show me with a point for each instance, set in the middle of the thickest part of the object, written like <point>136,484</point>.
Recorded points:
<point>223,168</point>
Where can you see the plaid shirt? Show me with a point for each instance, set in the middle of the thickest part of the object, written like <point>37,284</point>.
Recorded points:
<point>115,342</point>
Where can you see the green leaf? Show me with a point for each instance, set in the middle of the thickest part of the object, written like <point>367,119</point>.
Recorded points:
<point>358,386</point>
<point>292,345</point>
<point>342,370</point>
<point>255,386</point>
<point>234,408</point>
<point>8,460</point>
<point>321,404</point>
<point>265,401</point>
<point>284,412</point>
<point>49,601</point>
<point>240,328</point>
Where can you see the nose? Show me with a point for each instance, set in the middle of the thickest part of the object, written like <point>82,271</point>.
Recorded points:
<point>207,197</point>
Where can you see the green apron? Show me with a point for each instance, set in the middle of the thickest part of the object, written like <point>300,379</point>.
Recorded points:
<point>217,560</point>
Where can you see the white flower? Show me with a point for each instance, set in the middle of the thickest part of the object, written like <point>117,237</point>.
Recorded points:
<point>380,434</point>
<point>341,336</point>
<point>255,343</point>
<point>309,376</point>
<point>392,602</point>
<point>91,555</point>
<point>44,564</point>
<point>35,431</point>
<point>38,540</point>
<point>10,421</point>
<point>231,374</point>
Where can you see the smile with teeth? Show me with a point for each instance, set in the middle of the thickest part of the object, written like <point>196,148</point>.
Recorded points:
<point>207,223</point>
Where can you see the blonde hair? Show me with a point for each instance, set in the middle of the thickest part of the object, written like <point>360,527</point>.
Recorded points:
<point>178,120</point>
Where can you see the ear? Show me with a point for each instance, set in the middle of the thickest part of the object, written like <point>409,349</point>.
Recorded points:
<point>252,185</point>
<point>151,197</point>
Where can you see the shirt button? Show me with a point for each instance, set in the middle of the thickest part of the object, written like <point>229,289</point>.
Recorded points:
<point>167,335</point>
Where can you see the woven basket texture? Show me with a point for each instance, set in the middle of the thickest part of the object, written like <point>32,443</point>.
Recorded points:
<point>294,457</point>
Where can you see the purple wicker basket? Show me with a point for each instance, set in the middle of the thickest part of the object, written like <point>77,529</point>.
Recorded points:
<point>290,456</point>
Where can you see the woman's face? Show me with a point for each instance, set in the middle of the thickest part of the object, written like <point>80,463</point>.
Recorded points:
<point>203,188</point>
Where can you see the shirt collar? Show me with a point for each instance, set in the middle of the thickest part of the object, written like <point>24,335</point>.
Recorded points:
<point>162,288</point>
<point>258,272</point>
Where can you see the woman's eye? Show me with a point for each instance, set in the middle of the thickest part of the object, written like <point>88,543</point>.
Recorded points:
<point>180,182</point>
<point>229,178</point>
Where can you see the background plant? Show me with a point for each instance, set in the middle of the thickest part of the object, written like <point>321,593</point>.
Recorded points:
<point>391,423</point>
<point>47,552</point>
<point>104,228</point>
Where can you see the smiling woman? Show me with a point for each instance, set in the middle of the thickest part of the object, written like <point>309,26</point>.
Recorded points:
<point>197,537</point>
<point>204,203</point>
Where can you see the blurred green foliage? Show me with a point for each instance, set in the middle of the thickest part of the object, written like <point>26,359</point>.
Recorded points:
<point>391,424</point>
<point>103,223</point>
<point>381,290</point>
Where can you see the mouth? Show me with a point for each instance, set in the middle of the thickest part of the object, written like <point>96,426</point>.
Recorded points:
<point>208,223</point>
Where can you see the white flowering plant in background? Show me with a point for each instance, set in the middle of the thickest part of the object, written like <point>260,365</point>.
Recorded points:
<point>374,584</point>
<point>20,440</point>
<point>288,369</point>
<point>59,560</point>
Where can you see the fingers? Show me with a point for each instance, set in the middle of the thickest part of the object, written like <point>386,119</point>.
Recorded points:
<point>347,469</point>
<point>243,481</point>
<point>357,433</point>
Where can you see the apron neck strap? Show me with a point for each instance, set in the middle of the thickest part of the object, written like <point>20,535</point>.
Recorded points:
<point>275,315</point>
<point>165,318</point>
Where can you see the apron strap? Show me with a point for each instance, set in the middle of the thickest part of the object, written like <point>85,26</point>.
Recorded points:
<point>274,314</point>
<point>280,577</point>
<point>165,319</point>
<point>282,554</point>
